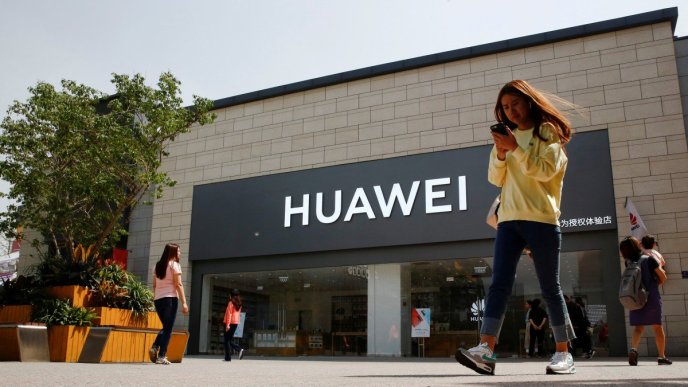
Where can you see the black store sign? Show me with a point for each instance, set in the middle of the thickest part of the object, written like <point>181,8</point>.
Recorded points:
<point>426,198</point>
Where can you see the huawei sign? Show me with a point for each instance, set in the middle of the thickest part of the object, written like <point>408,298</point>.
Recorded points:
<point>638,228</point>
<point>634,219</point>
<point>477,310</point>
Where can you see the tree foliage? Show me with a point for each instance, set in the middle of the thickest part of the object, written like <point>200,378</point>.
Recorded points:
<point>79,160</point>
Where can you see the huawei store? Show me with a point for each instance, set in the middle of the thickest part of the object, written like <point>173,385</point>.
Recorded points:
<point>349,210</point>
<point>332,261</point>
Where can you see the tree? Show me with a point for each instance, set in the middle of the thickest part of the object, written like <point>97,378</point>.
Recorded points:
<point>79,160</point>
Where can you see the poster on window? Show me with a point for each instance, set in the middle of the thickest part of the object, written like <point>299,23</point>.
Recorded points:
<point>420,322</point>
<point>240,329</point>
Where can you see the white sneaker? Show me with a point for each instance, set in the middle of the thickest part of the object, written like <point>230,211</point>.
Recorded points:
<point>480,359</point>
<point>241,354</point>
<point>562,363</point>
<point>162,360</point>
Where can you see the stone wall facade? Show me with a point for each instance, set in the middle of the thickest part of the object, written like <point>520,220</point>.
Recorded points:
<point>626,81</point>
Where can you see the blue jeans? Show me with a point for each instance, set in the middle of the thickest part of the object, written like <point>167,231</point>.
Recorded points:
<point>167,311</point>
<point>229,342</point>
<point>544,241</point>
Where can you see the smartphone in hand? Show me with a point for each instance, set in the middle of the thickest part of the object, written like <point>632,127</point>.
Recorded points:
<point>500,128</point>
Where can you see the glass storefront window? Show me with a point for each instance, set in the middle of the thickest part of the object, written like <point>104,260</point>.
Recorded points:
<point>322,311</point>
<point>455,291</point>
<point>295,312</point>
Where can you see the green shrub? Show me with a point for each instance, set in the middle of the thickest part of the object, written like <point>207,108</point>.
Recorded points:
<point>60,271</point>
<point>139,298</point>
<point>116,288</point>
<point>22,290</point>
<point>52,311</point>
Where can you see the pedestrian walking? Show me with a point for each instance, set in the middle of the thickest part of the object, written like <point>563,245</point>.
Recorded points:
<point>584,332</point>
<point>537,325</point>
<point>528,163</point>
<point>167,283</point>
<point>650,314</point>
<point>526,336</point>
<point>650,247</point>
<point>231,322</point>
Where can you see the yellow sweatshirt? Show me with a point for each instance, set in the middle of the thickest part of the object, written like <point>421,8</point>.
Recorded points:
<point>531,177</point>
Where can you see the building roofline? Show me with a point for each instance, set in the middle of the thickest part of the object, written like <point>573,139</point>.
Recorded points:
<point>652,17</point>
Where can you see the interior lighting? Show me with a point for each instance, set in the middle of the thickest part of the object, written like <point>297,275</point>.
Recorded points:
<point>480,269</point>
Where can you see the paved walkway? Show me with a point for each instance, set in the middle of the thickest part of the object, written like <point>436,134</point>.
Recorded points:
<point>339,371</point>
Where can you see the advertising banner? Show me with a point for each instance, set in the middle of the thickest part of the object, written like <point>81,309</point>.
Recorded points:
<point>420,322</point>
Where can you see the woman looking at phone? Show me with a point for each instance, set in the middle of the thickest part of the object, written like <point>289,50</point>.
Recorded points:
<point>528,163</point>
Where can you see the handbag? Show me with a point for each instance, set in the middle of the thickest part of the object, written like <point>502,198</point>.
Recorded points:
<point>492,218</point>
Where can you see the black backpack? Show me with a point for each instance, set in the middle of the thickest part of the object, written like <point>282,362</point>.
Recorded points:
<point>632,292</point>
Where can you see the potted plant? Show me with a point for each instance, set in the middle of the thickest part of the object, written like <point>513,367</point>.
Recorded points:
<point>68,327</point>
<point>69,276</point>
<point>122,300</point>
<point>16,297</point>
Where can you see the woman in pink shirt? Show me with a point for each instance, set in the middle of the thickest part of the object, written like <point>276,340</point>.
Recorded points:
<point>231,322</point>
<point>167,283</point>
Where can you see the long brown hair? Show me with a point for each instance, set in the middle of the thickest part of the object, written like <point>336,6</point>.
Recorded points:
<point>171,252</point>
<point>630,248</point>
<point>541,109</point>
<point>235,298</point>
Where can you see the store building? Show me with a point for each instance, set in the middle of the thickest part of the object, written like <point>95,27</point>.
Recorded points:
<point>339,204</point>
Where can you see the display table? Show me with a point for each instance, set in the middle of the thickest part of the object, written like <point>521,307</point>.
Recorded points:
<point>287,343</point>
<point>315,344</point>
<point>349,340</point>
<point>445,343</point>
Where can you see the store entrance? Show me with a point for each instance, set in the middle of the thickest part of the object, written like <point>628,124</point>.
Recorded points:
<point>319,311</point>
<point>455,293</point>
<point>324,311</point>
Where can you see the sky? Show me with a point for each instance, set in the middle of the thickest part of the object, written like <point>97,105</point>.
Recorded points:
<point>223,48</point>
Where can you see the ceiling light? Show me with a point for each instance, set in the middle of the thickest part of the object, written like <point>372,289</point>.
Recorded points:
<point>480,269</point>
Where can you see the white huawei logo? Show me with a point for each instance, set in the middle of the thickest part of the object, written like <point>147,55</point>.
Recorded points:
<point>477,310</point>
